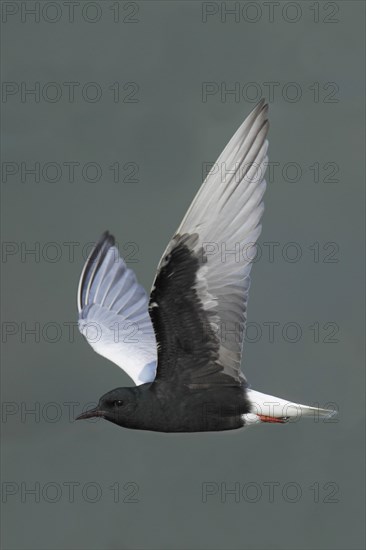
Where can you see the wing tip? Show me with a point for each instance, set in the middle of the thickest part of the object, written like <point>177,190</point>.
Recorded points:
<point>103,244</point>
<point>262,107</point>
<point>263,110</point>
<point>106,236</point>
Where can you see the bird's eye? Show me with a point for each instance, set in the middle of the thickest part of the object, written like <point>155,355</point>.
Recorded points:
<point>118,403</point>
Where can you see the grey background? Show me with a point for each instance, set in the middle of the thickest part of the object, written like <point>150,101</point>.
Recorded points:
<point>169,132</point>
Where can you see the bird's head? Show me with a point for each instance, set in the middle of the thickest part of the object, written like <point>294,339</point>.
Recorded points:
<point>117,406</point>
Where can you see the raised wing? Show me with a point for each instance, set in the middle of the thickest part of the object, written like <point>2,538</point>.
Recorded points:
<point>113,312</point>
<point>199,299</point>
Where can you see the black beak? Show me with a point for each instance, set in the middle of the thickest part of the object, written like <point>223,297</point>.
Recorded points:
<point>90,414</point>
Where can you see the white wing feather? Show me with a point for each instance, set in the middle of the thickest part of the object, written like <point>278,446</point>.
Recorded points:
<point>113,314</point>
<point>225,216</point>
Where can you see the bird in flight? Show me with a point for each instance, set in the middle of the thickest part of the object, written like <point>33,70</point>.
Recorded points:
<point>183,346</point>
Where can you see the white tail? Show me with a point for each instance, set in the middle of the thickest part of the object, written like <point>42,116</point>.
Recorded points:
<point>267,408</point>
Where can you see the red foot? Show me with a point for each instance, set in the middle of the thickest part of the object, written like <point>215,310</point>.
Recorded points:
<point>271,419</point>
